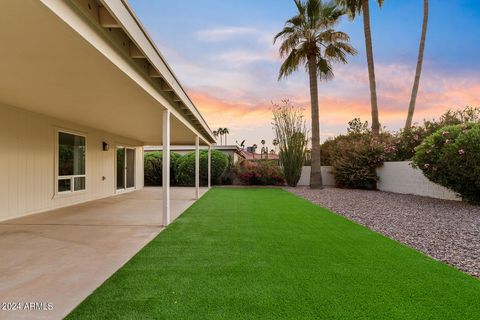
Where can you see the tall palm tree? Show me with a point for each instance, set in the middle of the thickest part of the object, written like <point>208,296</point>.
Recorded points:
<point>226,132</point>
<point>275,144</point>
<point>220,133</point>
<point>418,72</point>
<point>309,39</point>
<point>215,134</point>
<point>354,8</point>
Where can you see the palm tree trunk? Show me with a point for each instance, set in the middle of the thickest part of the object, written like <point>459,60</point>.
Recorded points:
<point>316,169</point>
<point>418,72</point>
<point>371,67</point>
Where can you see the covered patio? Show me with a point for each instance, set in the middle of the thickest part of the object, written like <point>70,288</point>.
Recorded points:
<point>61,256</point>
<point>83,89</point>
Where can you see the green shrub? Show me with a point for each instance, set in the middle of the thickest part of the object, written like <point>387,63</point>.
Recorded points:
<point>355,156</point>
<point>228,175</point>
<point>153,168</point>
<point>185,168</point>
<point>355,160</point>
<point>327,149</point>
<point>451,158</point>
<point>406,140</point>
<point>263,172</point>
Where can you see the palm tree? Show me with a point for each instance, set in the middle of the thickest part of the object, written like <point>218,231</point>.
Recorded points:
<point>220,133</point>
<point>354,8</point>
<point>264,150</point>
<point>275,144</point>
<point>418,72</point>
<point>226,132</point>
<point>215,134</point>
<point>254,148</point>
<point>309,39</point>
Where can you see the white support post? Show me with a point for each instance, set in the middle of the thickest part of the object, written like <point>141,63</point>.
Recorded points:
<point>197,167</point>
<point>209,165</point>
<point>166,167</point>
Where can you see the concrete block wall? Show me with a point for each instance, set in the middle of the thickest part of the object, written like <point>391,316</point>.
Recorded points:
<point>401,177</point>
<point>328,179</point>
<point>398,177</point>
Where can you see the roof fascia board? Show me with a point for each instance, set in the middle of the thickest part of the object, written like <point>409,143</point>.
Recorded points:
<point>122,12</point>
<point>97,38</point>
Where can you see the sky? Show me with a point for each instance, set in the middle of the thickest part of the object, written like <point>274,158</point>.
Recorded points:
<point>223,54</point>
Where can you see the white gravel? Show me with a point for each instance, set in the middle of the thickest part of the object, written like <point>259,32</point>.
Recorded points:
<point>445,230</point>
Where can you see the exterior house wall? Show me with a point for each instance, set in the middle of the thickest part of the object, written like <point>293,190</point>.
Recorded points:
<point>27,163</point>
<point>398,177</point>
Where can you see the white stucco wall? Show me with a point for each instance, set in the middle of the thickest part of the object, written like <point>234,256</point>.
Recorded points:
<point>401,177</point>
<point>328,179</point>
<point>27,163</point>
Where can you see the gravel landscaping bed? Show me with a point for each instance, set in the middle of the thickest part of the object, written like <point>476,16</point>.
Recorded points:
<point>445,230</point>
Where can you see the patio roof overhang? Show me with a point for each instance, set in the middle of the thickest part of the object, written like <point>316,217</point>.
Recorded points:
<point>90,62</point>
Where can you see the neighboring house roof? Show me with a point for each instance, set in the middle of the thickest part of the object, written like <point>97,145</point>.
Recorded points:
<point>232,148</point>
<point>257,156</point>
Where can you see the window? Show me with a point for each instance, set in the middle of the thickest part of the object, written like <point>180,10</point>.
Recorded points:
<point>71,163</point>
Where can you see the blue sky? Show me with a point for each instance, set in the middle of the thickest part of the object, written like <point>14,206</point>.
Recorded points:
<point>222,52</point>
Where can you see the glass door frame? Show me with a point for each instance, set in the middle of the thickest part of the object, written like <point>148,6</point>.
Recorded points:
<point>125,169</point>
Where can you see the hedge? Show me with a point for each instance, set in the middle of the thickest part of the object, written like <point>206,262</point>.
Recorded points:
<point>153,168</point>
<point>185,168</point>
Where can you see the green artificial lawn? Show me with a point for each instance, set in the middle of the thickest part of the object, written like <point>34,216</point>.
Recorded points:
<point>267,254</point>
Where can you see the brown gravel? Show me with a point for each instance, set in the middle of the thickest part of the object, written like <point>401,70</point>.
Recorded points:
<point>445,230</point>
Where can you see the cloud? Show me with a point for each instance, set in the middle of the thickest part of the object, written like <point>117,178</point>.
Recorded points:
<point>343,99</point>
<point>247,56</point>
<point>223,33</point>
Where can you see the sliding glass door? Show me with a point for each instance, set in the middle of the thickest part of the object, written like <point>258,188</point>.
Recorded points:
<point>125,168</point>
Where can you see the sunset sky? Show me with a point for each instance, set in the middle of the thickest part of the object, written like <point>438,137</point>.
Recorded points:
<point>222,52</point>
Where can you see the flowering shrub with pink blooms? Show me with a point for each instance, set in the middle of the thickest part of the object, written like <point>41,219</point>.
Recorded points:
<point>406,140</point>
<point>451,158</point>
<point>264,172</point>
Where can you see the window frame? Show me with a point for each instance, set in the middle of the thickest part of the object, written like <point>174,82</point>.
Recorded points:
<point>72,191</point>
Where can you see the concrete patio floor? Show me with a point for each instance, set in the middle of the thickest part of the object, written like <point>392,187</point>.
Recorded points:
<point>61,256</point>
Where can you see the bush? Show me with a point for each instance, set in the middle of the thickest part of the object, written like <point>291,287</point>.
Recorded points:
<point>354,157</point>
<point>153,168</point>
<point>264,172</point>
<point>407,140</point>
<point>355,160</point>
<point>229,174</point>
<point>185,168</point>
<point>451,158</point>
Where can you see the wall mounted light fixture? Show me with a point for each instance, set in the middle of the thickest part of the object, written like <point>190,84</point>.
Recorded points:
<point>105,146</point>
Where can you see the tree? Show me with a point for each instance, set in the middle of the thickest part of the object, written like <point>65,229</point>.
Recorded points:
<point>220,133</point>
<point>275,144</point>
<point>225,132</point>
<point>356,7</point>
<point>309,39</point>
<point>264,149</point>
<point>418,71</point>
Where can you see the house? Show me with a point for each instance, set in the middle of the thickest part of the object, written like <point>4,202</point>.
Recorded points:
<point>82,89</point>
<point>230,150</point>
<point>253,156</point>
